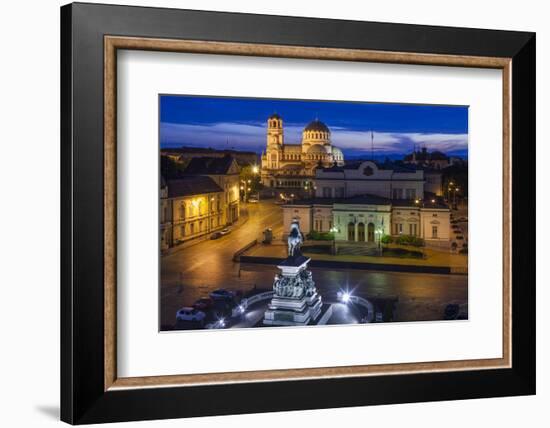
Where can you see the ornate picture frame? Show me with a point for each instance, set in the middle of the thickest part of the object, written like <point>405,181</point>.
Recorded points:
<point>91,389</point>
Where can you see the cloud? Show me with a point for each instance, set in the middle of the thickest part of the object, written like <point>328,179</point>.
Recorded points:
<point>252,136</point>
<point>398,142</point>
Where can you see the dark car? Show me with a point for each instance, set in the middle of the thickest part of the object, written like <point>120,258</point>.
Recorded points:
<point>203,304</point>
<point>220,233</point>
<point>222,294</point>
<point>451,311</point>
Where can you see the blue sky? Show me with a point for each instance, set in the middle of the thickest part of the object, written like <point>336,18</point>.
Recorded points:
<point>240,123</point>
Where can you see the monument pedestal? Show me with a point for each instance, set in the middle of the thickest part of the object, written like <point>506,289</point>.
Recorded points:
<point>295,299</point>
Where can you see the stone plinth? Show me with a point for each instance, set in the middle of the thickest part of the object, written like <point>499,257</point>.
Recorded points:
<point>295,299</point>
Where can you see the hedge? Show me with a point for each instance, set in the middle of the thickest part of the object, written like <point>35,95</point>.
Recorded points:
<point>320,236</point>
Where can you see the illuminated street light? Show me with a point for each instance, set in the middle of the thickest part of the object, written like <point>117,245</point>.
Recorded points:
<point>346,297</point>
<point>255,169</point>
<point>379,231</point>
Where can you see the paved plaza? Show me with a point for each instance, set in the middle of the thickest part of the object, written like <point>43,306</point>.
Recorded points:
<point>197,269</point>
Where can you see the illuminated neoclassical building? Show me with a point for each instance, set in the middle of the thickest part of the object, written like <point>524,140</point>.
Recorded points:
<point>363,201</point>
<point>287,166</point>
<point>204,199</point>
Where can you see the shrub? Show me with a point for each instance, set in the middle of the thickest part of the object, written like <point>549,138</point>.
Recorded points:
<point>402,253</point>
<point>320,236</point>
<point>410,240</point>
<point>386,239</point>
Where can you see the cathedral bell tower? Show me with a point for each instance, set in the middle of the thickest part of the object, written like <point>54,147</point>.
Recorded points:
<point>274,140</point>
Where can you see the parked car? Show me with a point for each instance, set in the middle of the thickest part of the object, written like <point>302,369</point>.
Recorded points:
<point>222,294</point>
<point>190,314</point>
<point>203,304</point>
<point>253,200</point>
<point>451,311</point>
<point>220,233</point>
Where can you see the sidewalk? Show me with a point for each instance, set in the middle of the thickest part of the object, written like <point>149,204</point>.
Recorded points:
<point>243,218</point>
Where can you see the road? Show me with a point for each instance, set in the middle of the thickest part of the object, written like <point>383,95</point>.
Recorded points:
<point>193,272</point>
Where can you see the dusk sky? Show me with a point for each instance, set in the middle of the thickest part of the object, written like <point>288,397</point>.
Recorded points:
<point>240,123</point>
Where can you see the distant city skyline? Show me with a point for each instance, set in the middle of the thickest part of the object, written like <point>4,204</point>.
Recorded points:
<point>240,124</point>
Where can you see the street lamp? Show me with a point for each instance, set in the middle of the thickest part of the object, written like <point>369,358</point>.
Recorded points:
<point>334,230</point>
<point>345,296</point>
<point>243,188</point>
<point>379,231</point>
<point>255,169</point>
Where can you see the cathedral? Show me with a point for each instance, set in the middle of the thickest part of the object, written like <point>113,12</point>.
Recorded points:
<point>287,166</point>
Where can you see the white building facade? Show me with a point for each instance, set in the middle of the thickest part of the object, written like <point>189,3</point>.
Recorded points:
<point>364,202</point>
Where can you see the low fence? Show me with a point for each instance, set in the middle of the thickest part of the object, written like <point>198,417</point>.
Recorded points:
<point>248,301</point>
<point>332,264</point>
<point>357,301</point>
<point>237,255</point>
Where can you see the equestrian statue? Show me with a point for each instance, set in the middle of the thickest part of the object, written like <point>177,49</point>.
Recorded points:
<point>295,239</point>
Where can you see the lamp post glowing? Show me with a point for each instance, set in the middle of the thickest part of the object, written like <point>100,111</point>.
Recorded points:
<point>334,230</point>
<point>244,189</point>
<point>379,232</point>
<point>345,296</point>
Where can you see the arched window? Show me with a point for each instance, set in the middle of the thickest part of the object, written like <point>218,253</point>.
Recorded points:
<point>351,231</point>
<point>182,210</point>
<point>361,232</point>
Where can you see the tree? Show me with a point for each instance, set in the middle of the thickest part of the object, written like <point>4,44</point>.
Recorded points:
<point>250,179</point>
<point>170,168</point>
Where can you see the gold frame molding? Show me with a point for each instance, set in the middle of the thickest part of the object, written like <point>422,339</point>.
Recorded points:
<point>113,43</point>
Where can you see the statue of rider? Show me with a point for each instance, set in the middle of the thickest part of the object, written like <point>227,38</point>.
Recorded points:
<point>295,239</point>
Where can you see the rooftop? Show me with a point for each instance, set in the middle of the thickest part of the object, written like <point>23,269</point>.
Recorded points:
<point>362,200</point>
<point>192,185</point>
<point>209,165</point>
<point>316,125</point>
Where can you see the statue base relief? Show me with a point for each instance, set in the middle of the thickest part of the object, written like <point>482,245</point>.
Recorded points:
<point>295,299</point>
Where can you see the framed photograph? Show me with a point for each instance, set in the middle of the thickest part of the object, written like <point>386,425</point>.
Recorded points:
<point>276,213</point>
